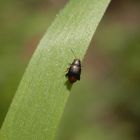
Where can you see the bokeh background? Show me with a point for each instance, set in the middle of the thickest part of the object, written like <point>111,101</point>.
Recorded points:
<point>105,104</point>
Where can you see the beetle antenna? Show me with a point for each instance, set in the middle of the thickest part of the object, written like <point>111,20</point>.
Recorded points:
<point>73,53</point>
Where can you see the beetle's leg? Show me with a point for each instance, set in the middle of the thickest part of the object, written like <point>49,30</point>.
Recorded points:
<point>67,70</point>
<point>66,74</point>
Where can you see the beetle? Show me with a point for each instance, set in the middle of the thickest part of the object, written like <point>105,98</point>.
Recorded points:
<point>74,71</point>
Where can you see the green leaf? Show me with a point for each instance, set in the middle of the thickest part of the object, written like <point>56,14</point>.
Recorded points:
<point>43,92</point>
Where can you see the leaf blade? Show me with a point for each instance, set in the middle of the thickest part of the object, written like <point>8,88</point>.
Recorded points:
<point>40,99</point>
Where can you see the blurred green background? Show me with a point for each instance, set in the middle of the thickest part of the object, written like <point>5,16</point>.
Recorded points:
<point>105,104</point>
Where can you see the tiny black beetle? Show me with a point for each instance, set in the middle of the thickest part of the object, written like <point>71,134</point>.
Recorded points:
<point>74,71</point>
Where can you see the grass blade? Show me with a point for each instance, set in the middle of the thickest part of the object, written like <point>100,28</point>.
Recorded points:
<point>41,96</point>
